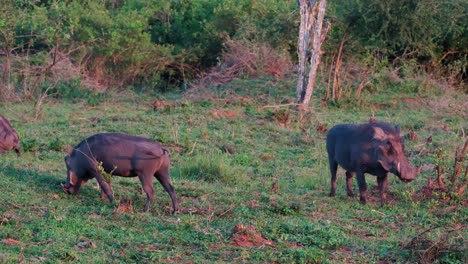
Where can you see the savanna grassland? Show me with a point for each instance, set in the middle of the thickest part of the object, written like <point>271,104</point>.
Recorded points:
<point>251,177</point>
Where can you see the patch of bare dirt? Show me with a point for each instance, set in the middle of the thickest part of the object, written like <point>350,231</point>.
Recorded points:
<point>414,101</point>
<point>159,105</point>
<point>247,236</point>
<point>125,206</point>
<point>266,157</point>
<point>223,114</point>
<point>385,105</point>
<point>412,136</point>
<point>345,250</point>
<point>374,196</point>
<point>10,242</point>
<point>253,204</point>
<point>322,128</point>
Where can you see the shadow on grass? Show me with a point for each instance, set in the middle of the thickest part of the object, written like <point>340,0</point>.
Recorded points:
<point>33,178</point>
<point>47,184</point>
<point>40,182</point>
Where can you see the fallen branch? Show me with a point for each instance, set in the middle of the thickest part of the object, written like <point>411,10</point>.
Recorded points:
<point>278,106</point>
<point>193,148</point>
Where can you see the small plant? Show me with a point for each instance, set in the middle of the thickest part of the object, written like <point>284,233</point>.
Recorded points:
<point>458,180</point>
<point>106,175</point>
<point>281,206</point>
<point>450,184</point>
<point>29,145</point>
<point>56,144</point>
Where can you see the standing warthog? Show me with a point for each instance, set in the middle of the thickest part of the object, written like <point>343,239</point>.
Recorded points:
<point>121,155</point>
<point>8,137</point>
<point>374,148</point>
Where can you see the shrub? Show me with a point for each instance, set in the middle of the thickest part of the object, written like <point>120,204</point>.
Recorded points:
<point>210,168</point>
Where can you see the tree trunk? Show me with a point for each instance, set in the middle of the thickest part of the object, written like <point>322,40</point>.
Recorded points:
<point>307,16</point>
<point>312,16</point>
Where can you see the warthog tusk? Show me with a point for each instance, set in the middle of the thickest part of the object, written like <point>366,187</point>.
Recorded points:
<point>398,167</point>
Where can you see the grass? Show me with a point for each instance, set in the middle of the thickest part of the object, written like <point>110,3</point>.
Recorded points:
<point>274,177</point>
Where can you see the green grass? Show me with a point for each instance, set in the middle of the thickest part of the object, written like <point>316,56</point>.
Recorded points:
<point>218,190</point>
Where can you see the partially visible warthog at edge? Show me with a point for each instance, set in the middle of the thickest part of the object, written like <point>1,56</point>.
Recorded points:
<point>120,155</point>
<point>374,148</point>
<point>8,137</point>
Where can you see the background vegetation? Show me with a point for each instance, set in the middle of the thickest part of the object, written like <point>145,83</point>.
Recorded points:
<point>160,45</point>
<point>214,82</point>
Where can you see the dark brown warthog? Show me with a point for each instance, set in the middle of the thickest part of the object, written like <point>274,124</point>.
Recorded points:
<point>8,137</point>
<point>374,148</point>
<point>121,155</point>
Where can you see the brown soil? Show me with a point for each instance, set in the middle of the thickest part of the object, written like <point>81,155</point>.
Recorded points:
<point>374,196</point>
<point>125,206</point>
<point>223,114</point>
<point>247,236</point>
<point>322,128</point>
<point>10,242</point>
<point>159,105</point>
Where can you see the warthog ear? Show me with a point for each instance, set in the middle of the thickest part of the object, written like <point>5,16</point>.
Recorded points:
<point>384,165</point>
<point>69,149</point>
<point>379,133</point>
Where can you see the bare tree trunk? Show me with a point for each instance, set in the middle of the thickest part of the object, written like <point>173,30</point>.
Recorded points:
<point>307,17</point>
<point>312,16</point>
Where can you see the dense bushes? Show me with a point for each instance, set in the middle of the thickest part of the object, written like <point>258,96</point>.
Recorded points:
<point>150,43</point>
<point>432,33</point>
<point>161,44</point>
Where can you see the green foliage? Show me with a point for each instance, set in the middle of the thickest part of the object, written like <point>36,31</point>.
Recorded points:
<point>56,145</point>
<point>29,144</point>
<point>106,175</point>
<point>430,31</point>
<point>71,90</point>
<point>162,45</point>
<point>152,44</point>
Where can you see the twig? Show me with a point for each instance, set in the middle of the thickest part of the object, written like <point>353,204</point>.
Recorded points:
<point>375,211</point>
<point>39,243</point>
<point>21,258</point>
<point>227,211</point>
<point>176,221</point>
<point>278,106</point>
<point>47,69</point>
<point>22,207</point>
<point>193,148</point>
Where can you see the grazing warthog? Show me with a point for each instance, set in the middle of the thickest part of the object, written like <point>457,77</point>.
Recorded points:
<point>374,148</point>
<point>120,155</point>
<point>8,137</point>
